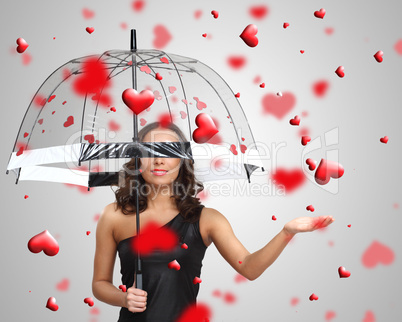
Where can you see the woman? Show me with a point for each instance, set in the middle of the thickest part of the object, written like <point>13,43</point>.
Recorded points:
<point>167,292</point>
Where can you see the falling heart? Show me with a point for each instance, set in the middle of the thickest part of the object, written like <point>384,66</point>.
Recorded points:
<point>249,35</point>
<point>310,208</point>
<point>285,25</point>
<point>174,264</point>
<point>340,71</point>
<point>279,106</point>
<point>313,297</point>
<point>289,179</point>
<point>305,139</point>
<point>123,288</point>
<point>43,242</point>
<point>378,56</point>
<point>384,139</point>
<point>295,120</point>
<point>90,30</point>
<point>215,14</point>
<point>184,246</point>
<point>69,122</point>
<point>326,170</point>
<point>138,102</point>
<point>206,128</point>
<point>343,273</point>
<point>259,12</point>
<point>88,14</point>
<point>311,164</point>
<point>63,285</point>
<point>236,62</point>
<point>51,304</point>
<point>89,301</point>
<point>319,14</point>
<point>195,313</point>
<point>162,36</point>
<point>369,317</point>
<point>22,45</point>
<point>197,280</point>
<point>377,253</point>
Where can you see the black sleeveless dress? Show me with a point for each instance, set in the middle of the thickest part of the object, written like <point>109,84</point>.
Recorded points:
<point>169,291</point>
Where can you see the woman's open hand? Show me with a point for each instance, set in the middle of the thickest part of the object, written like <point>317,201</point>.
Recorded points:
<point>136,300</point>
<point>305,224</point>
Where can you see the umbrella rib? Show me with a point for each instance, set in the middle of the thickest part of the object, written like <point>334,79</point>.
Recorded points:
<point>184,92</point>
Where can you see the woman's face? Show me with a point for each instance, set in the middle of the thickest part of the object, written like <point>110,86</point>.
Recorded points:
<point>160,171</point>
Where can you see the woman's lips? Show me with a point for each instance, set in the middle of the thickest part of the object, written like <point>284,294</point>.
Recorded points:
<point>159,173</point>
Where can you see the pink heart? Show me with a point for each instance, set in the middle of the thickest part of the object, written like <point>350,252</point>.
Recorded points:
<point>43,242</point>
<point>305,139</point>
<point>229,298</point>
<point>137,102</point>
<point>90,30</point>
<point>206,128</point>
<point>240,278</point>
<point>233,149</point>
<point>320,14</point>
<point>369,317</point>
<point>174,264</point>
<point>183,114</point>
<point>295,120</point>
<point>377,253</point>
<point>90,138</point>
<point>63,285</point>
<point>69,122</point>
<point>89,301</point>
<point>340,71</point>
<point>164,60</point>
<point>40,121</point>
<point>51,304</point>
<point>162,36</point>
<point>343,273</point>
<point>196,280</point>
<point>22,45</point>
<point>142,122</point>
<point>88,14</point>
<point>326,170</point>
<point>378,56</point>
<point>249,35</point>
<point>145,69</point>
<point>329,315</point>
<point>279,106</point>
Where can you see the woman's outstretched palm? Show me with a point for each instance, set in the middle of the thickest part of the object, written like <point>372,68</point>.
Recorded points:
<point>305,224</point>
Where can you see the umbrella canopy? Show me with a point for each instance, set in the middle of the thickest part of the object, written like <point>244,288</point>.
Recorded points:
<point>79,117</point>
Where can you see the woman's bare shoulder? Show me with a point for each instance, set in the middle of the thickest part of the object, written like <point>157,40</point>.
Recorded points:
<point>109,214</point>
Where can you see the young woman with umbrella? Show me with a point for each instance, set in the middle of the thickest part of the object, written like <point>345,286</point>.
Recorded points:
<point>167,292</point>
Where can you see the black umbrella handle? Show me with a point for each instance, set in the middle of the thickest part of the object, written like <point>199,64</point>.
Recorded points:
<point>138,280</point>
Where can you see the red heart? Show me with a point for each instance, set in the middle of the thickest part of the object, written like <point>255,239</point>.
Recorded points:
<point>273,218</point>
<point>88,14</point>
<point>174,264</point>
<point>349,225</point>
<point>113,109</point>
<point>137,102</point>
<point>138,5</point>
<point>195,313</point>
<point>20,151</point>
<point>164,60</point>
<point>162,36</point>
<point>206,128</point>
<point>384,139</point>
<point>145,69</point>
<point>184,246</point>
<point>279,106</point>
<point>311,164</point>
<point>123,288</point>
<point>377,253</point>
<point>302,51</point>
<point>40,121</point>
<point>90,30</point>
<point>26,197</point>
<point>262,85</point>
<point>197,280</point>
<point>158,76</point>
<point>204,35</point>
<point>229,298</point>
<point>295,120</point>
<point>310,208</point>
<point>215,14</point>
<point>237,95</point>
<point>320,88</point>
<point>88,232</point>
<point>305,139</point>
<point>89,301</point>
<point>90,138</point>
<point>51,304</point>
<point>378,56</point>
<point>22,45</point>
<point>233,149</point>
<point>343,273</point>
<point>248,35</point>
<point>69,122</point>
<point>285,25</point>
<point>289,179</point>
<point>113,125</point>
<point>326,170</point>
<point>153,238</point>
<point>43,241</point>
<point>259,12</point>
<point>63,285</point>
<point>236,62</point>
<point>340,71</point>
<point>26,134</point>
<point>320,14</point>
<point>313,297</point>
<point>243,148</point>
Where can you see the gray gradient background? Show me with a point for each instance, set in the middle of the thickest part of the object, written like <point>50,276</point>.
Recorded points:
<point>363,106</point>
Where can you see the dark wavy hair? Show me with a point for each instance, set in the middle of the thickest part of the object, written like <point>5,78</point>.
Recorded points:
<point>186,201</point>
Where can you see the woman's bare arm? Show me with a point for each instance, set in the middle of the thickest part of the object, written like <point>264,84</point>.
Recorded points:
<point>105,256</point>
<point>253,265</point>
